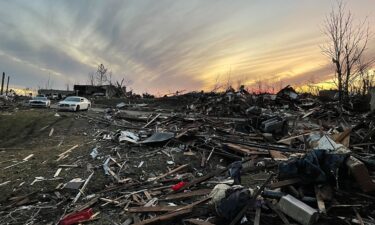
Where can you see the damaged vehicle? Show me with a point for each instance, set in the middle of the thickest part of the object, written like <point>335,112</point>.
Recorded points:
<point>40,101</point>
<point>74,103</point>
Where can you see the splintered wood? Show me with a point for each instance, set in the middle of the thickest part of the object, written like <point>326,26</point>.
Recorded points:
<point>65,154</point>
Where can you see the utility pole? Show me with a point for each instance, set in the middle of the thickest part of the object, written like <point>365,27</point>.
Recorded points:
<point>6,92</point>
<point>2,84</point>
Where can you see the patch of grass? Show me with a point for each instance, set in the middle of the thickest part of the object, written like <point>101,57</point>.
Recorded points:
<point>23,125</point>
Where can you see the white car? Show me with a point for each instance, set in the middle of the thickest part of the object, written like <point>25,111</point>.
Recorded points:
<point>74,103</point>
<point>40,102</point>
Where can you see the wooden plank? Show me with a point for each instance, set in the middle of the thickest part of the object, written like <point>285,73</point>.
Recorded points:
<point>343,137</point>
<point>84,206</point>
<point>206,177</point>
<point>284,183</point>
<point>4,183</point>
<point>190,206</point>
<point>202,179</point>
<point>165,217</point>
<point>245,150</point>
<point>51,132</point>
<point>57,172</point>
<point>172,171</point>
<point>153,209</point>
<point>203,159</point>
<point>319,199</point>
<point>152,120</point>
<point>82,189</point>
<point>276,155</point>
<point>69,150</point>
<point>257,216</point>
<point>109,200</point>
<point>28,157</point>
<point>147,194</point>
<point>289,139</point>
<point>188,194</point>
<point>113,174</point>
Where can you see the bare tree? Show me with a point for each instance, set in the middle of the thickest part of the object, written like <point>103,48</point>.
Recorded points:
<point>217,84</point>
<point>91,78</point>
<point>122,86</point>
<point>229,83</point>
<point>109,77</point>
<point>259,85</point>
<point>364,76</point>
<point>240,81</point>
<point>347,42</point>
<point>49,82</point>
<point>101,74</point>
<point>311,86</point>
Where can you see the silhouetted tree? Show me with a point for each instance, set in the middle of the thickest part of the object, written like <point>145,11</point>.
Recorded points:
<point>346,45</point>
<point>101,74</point>
<point>91,78</point>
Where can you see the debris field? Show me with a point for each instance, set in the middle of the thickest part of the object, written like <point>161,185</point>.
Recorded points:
<point>198,158</point>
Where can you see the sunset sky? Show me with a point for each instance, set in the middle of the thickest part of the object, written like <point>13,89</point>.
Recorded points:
<point>168,45</point>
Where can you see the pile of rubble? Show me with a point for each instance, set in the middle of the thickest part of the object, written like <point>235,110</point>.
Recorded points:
<point>283,163</point>
<point>240,103</point>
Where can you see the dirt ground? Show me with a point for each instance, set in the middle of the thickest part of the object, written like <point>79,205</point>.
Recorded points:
<point>27,131</point>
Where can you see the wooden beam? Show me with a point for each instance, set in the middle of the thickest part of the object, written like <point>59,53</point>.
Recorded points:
<point>276,155</point>
<point>202,179</point>
<point>284,183</point>
<point>257,216</point>
<point>245,150</point>
<point>151,120</point>
<point>69,150</point>
<point>188,194</point>
<point>172,171</point>
<point>165,217</point>
<point>319,199</point>
<point>152,209</point>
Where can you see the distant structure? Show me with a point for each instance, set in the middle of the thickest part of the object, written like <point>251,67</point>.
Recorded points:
<point>2,84</point>
<point>6,92</point>
<point>108,91</point>
<point>60,93</point>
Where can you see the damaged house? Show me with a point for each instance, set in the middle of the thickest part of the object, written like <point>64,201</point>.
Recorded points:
<point>108,91</point>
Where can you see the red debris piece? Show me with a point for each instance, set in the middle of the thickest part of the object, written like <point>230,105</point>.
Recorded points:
<point>77,217</point>
<point>178,186</point>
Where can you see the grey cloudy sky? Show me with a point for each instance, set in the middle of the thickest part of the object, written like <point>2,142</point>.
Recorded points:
<point>167,45</point>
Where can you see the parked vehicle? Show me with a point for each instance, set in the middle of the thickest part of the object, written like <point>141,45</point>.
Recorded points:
<point>74,103</point>
<point>40,102</point>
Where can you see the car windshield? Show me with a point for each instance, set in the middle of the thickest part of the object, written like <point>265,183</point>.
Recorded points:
<point>73,99</point>
<point>40,98</point>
